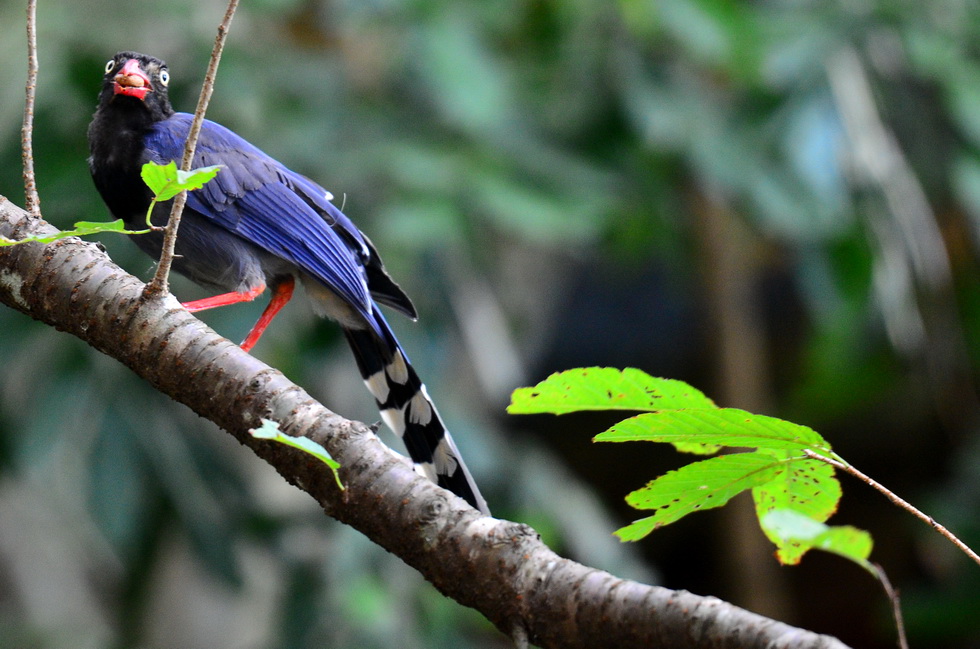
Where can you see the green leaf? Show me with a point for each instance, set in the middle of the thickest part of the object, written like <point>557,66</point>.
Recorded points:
<point>166,181</point>
<point>270,431</point>
<point>81,229</point>
<point>605,388</point>
<point>707,431</point>
<point>196,178</point>
<point>798,529</point>
<point>701,485</point>
<point>159,177</point>
<point>94,227</point>
<point>807,487</point>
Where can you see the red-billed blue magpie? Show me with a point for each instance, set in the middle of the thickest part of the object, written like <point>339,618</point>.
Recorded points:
<point>258,225</point>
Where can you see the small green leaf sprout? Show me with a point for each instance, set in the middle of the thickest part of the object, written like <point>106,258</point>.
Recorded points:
<point>270,430</point>
<point>165,181</point>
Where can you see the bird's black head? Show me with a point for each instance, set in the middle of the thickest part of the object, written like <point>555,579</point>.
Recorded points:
<point>137,82</point>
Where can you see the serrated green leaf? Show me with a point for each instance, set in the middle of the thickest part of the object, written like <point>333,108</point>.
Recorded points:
<point>807,487</point>
<point>196,178</point>
<point>91,227</point>
<point>701,485</point>
<point>605,388</point>
<point>847,541</point>
<point>159,177</point>
<point>270,430</point>
<point>795,528</point>
<point>166,181</point>
<point>706,431</point>
<point>81,229</point>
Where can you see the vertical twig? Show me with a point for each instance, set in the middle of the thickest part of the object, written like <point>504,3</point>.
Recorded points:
<point>903,641</point>
<point>518,636</point>
<point>31,200</point>
<point>158,285</point>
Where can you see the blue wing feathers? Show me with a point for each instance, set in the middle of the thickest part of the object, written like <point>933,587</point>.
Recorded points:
<point>291,217</point>
<point>271,206</point>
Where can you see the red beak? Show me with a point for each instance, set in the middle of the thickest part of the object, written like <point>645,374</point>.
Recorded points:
<point>132,81</point>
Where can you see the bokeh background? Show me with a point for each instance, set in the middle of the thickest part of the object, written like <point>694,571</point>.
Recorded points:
<point>776,201</point>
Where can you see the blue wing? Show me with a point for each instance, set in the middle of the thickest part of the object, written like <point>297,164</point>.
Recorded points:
<point>278,210</point>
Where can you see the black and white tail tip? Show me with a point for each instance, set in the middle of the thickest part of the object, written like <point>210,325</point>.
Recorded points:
<point>408,410</point>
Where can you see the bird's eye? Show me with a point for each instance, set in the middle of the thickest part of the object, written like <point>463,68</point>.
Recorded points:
<point>164,77</point>
<point>110,66</point>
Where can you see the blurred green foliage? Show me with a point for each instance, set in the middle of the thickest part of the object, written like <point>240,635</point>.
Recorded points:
<point>541,176</point>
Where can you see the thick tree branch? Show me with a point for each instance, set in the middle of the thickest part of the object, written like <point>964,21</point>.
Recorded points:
<point>498,567</point>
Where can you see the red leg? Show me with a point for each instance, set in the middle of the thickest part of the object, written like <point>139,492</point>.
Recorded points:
<point>224,299</point>
<point>281,294</point>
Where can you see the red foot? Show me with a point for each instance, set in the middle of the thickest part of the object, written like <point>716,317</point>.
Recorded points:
<point>281,294</point>
<point>224,299</point>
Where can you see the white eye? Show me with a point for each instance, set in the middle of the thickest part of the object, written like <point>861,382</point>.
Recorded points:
<point>164,77</point>
<point>110,66</point>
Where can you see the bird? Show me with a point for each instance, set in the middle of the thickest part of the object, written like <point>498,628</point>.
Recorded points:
<point>260,225</point>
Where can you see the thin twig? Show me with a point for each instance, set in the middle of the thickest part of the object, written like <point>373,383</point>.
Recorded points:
<point>903,641</point>
<point>518,635</point>
<point>158,285</point>
<point>871,482</point>
<point>31,199</point>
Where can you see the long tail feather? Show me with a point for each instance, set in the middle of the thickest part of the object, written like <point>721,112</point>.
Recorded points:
<point>407,409</point>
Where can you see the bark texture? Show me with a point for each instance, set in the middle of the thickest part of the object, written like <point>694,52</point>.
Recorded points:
<point>498,567</point>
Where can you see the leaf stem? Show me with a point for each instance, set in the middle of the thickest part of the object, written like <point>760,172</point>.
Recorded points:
<point>31,199</point>
<point>897,500</point>
<point>158,285</point>
<point>892,594</point>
